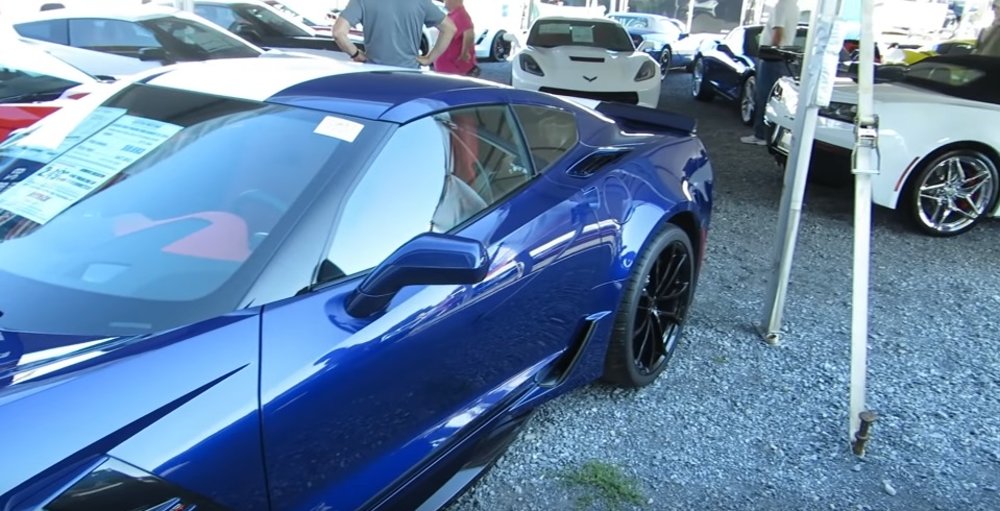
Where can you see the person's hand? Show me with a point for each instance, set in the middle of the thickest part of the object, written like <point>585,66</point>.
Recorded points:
<point>360,57</point>
<point>465,57</point>
<point>424,60</point>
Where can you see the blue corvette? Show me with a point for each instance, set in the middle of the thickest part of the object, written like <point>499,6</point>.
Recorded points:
<point>309,285</point>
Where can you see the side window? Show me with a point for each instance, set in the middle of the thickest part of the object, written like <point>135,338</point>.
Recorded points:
<point>105,33</point>
<point>222,16</point>
<point>549,132</point>
<point>432,175</point>
<point>54,31</point>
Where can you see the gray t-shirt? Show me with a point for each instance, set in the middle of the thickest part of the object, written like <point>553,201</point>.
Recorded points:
<point>393,28</point>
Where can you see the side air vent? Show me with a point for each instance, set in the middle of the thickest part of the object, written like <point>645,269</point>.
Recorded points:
<point>596,162</point>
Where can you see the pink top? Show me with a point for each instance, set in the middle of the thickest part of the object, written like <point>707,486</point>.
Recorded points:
<point>449,61</point>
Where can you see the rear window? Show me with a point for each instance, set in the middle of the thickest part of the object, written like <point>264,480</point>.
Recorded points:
<point>590,33</point>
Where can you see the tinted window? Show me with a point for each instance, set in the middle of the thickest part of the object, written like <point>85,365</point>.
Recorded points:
<point>155,210</point>
<point>592,33</point>
<point>267,21</point>
<point>55,31</point>
<point>549,133</point>
<point>218,14</point>
<point>105,34</point>
<point>187,40</point>
<point>27,83</point>
<point>432,175</point>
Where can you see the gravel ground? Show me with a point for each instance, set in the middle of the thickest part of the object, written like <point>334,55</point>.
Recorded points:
<point>737,424</point>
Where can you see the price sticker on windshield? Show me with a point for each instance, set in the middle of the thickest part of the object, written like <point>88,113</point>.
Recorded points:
<point>336,127</point>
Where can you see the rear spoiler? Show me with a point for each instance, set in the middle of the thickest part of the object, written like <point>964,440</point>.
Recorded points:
<point>639,118</point>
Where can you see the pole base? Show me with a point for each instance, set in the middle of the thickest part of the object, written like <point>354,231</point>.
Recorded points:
<point>771,338</point>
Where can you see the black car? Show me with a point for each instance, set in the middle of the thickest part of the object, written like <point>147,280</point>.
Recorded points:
<point>263,25</point>
<point>727,67</point>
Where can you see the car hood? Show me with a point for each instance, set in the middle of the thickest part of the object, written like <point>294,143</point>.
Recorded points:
<point>65,398</point>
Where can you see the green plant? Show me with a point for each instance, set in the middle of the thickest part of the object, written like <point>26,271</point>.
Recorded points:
<point>605,484</point>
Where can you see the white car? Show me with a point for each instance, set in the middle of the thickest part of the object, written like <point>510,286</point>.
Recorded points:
<point>588,58</point>
<point>939,140</point>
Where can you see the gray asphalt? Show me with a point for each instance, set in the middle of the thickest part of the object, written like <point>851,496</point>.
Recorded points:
<point>737,424</point>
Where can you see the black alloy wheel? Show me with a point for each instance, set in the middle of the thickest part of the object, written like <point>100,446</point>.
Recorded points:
<point>500,49</point>
<point>653,311</point>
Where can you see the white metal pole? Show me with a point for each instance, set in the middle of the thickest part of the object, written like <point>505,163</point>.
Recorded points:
<point>797,167</point>
<point>690,16</point>
<point>866,163</point>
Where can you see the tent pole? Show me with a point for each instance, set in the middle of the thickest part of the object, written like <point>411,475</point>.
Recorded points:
<point>797,167</point>
<point>865,164</point>
<point>690,15</point>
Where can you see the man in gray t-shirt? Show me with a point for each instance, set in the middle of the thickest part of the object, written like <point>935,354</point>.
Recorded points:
<point>392,31</point>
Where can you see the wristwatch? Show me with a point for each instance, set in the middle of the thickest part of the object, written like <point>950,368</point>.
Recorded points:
<point>357,51</point>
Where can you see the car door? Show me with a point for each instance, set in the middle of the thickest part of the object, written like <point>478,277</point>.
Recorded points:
<point>720,58</point>
<point>353,406</point>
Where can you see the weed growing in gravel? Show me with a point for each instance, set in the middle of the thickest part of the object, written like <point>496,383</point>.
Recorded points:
<point>605,483</point>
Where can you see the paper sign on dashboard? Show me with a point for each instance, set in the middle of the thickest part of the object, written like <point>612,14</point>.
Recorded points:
<point>85,168</point>
<point>338,128</point>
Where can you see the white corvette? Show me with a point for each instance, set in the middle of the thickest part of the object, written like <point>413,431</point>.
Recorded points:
<point>586,57</point>
<point>939,139</point>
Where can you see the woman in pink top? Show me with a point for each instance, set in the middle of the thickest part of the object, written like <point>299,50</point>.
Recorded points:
<point>460,56</point>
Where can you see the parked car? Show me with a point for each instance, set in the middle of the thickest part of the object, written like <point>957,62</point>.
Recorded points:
<point>331,289</point>
<point>589,58</point>
<point>727,68</point>
<point>38,78</point>
<point>938,158</point>
<point>322,24</point>
<point>149,34</point>
<point>656,35</point>
<point>949,47</point>
<point>265,26</point>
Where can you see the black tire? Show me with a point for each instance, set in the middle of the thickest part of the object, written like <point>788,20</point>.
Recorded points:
<point>698,88</point>
<point>666,56</point>
<point>967,192</point>
<point>748,100</point>
<point>499,48</point>
<point>668,258</point>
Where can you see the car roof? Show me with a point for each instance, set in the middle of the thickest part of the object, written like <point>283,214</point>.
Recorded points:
<point>576,18</point>
<point>336,86</point>
<point>119,12</point>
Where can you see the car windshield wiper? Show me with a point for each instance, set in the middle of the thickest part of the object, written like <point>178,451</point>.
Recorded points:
<point>31,97</point>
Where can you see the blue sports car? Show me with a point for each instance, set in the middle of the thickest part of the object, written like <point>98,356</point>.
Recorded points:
<point>305,284</point>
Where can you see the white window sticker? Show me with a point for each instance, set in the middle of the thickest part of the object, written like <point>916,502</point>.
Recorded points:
<point>554,28</point>
<point>84,168</point>
<point>336,127</point>
<point>583,35</point>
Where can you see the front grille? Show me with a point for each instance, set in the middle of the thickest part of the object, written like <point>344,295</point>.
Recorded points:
<point>618,97</point>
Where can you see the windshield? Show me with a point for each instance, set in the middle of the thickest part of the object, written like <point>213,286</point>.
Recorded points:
<point>591,33</point>
<point>268,21</point>
<point>186,40</point>
<point>28,76</point>
<point>156,209</point>
<point>972,77</point>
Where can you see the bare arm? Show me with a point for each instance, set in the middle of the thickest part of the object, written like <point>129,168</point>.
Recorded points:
<point>446,31</point>
<point>776,36</point>
<point>342,34</point>
<point>468,44</point>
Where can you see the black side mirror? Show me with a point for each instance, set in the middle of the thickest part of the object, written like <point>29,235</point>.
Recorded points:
<point>152,54</point>
<point>683,36</point>
<point>428,259</point>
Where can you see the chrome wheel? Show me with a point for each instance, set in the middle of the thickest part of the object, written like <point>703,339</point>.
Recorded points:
<point>665,58</point>
<point>697,76</point>
<point>662,308</point>
<point>748,100</point>
<point>954,192</point>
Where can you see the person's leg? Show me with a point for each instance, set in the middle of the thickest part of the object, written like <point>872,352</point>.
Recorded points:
<point>768,73</point>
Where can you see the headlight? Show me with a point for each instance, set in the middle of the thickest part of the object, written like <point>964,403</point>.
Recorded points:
<point>845,112</point>
<point>777,91</point>
<point>647,71</point>
<point>528,65</point>
<point>115,485</point>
